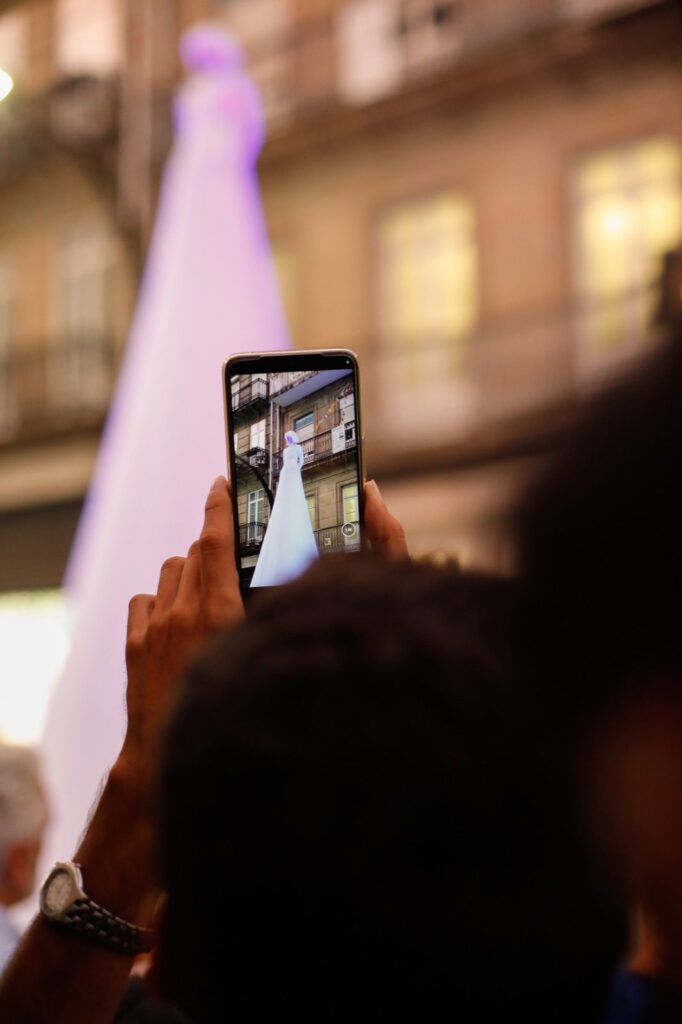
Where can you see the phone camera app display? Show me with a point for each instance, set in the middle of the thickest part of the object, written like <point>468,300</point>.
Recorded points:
<point>297,485</point>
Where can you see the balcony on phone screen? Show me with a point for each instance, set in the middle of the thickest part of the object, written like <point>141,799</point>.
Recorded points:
<point>338,540</point>
<point>325,448</point>
<point>249,400</point>
<point>251,537</point>
<point>254,458</point>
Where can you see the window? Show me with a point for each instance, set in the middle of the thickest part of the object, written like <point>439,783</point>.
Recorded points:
<point>427,308</point>
<point>347,406</point>
<point>370,58</point>
<point>350,503</point>
<point>257,434</point>
<point>311,502</point>
<point>79,372</point>
<point>89,36</point>
<point>254,520</point>
<point>305,425</point>
<point>629,214</point>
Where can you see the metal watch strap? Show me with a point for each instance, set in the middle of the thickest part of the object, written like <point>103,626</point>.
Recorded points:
<point>89,919</point>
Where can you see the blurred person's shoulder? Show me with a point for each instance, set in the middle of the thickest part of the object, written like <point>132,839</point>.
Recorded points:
<point>9,936</point>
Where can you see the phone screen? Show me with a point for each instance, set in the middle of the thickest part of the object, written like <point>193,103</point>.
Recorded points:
<point>295,462</point>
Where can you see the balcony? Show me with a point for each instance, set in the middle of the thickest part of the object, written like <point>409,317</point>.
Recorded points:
<point>286,381</point>
<point>333,540</point>
<point>338,539</point>
<point>251,537</point>
<point>51,390</point>
<point>331,445</point>
<point>248,400</point>
<point>256,458</point>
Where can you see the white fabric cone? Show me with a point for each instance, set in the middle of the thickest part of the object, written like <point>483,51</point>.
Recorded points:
<point>209,290</point>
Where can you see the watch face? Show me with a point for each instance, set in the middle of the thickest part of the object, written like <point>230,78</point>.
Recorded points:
<point>59,892</point>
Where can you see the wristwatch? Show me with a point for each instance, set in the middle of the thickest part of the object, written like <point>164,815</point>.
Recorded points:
<point>63,901</point>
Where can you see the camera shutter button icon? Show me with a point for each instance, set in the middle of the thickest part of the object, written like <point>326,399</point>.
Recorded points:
<point>349,529</point>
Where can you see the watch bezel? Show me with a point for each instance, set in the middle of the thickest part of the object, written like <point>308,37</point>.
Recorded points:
<point>75,876</point>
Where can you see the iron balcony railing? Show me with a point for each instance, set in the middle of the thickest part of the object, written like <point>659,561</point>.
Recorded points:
<point>327,445</point>
<point>249,397</point>
<point>338,539</point>
<point>331,540</point>
<point>292,381</point>
<point>251,536</point>
<point>256,458</point>
<point>50,389</point>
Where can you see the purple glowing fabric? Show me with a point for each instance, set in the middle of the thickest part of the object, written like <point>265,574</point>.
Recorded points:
<point>208,290</point>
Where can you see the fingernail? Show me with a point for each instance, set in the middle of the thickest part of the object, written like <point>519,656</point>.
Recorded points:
<point>375,485</point>
<point>219,481</point>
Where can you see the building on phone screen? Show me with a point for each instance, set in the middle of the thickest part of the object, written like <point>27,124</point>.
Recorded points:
<point>320,408</point>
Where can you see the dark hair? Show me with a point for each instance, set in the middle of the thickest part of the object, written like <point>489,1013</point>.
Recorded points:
<point>360,812</point>
<point>601,542</point>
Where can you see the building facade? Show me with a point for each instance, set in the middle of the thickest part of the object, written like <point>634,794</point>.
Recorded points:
<point>474,195</point>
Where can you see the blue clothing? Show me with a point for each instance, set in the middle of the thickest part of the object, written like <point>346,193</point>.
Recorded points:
<point>637,999</point>
<point>9,936</point>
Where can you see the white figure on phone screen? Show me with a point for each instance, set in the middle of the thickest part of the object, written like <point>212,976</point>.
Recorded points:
<point>289,544</point>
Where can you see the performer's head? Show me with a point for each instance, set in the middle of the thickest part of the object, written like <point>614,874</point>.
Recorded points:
<point>291,437</point>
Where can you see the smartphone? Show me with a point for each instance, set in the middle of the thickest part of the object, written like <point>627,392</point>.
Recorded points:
<point>295,461</point>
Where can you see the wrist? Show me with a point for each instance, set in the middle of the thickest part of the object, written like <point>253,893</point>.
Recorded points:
<point>116,852</point>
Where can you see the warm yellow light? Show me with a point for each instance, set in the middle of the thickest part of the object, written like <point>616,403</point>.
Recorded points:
<point>615,221</point>
<point>6,84</point>
<point>34,641</point>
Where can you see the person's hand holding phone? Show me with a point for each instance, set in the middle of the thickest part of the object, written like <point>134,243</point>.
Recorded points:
<point>196,596</point>
<point>383,530</point>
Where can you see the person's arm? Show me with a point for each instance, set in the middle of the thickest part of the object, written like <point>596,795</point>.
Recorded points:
<point>56,976</point>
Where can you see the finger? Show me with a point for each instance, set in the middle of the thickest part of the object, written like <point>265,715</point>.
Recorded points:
<point>139,612</point>
<point>384,531</point>
<point>189,588</point>
<point>219,580</point>
<point>169,581</point>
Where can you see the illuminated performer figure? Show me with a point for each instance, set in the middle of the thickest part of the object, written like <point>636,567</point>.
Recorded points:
<point>289,545</point>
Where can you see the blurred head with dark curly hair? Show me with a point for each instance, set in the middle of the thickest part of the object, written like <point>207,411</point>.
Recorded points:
<point>360,812</point>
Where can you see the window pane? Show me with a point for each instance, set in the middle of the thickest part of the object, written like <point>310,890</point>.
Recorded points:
<point>427,280</point>
<point>427,308</point>
<point>301,422</point>
<point>257,434</point>
<point>629,215</point>
<point>311,501</point>
<point>351,505</point>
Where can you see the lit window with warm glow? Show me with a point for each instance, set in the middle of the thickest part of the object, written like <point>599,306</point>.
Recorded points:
<point>427,307</point>
<point>428,282</point>
<point>629,214</point>
<point>34,640</point>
